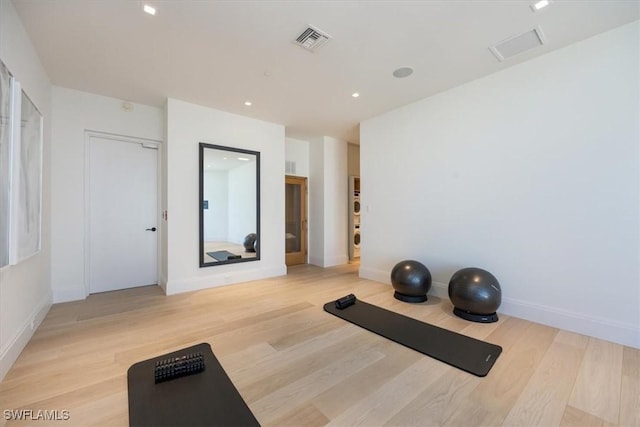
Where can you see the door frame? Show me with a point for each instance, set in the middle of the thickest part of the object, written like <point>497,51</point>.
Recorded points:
<point>149,143</point>
<point>304,208</point>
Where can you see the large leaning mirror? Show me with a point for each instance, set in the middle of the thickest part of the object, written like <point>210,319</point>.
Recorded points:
<point>229,205</point>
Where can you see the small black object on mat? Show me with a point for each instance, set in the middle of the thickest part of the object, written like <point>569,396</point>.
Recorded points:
<point>223,255</point>
<point>463,352</point>
<point>345,302</point>
<point>176,367</point>
<point>206,398</point>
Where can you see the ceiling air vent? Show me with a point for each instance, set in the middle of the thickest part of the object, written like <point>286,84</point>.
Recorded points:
<point>518,44</point>
<point>312,38</point>
<point>290,167</point>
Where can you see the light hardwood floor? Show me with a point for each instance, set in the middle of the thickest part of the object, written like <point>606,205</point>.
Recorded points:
<point>296,365</point>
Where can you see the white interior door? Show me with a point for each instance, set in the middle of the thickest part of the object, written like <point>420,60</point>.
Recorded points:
<point>123,194</point>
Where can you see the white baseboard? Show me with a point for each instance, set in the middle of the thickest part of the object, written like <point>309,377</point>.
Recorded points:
<point>163,283</point>
<point>69,295</point>
<point>337,260</point>
<point>81,294</point>
<point>9,354</point>
<point>440,290</point>
<point>223,279</point>
<point>593,326</point>
<point>315,261</point>
<point>381,276</point>
<point>329,262</point>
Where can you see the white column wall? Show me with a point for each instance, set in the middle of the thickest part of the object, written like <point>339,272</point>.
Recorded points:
<point>328,188</point>
<point>187,126</point>
<point>336,203</point>
<point>316,202</point>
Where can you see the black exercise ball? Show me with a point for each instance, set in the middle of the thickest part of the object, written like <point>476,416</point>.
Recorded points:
<point>411,280</point>
<point>250,242</point>
<point>475,294</point>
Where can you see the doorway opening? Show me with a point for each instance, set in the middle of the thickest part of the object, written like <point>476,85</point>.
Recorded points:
<point>295,220</point>
<point>354,219</point>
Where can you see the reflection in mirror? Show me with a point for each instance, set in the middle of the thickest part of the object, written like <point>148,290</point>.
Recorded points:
<point>229,205</point>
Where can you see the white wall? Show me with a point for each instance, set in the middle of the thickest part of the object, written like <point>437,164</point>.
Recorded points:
<point>297,150</point>
<point>328,188</point>
<point>75,112</point>
<point>531,173</point>
<point>242,209</point>
<point>316,203</point>
<point>188,125</point>
<point>336,203</point>
<point>25,288</point>
<point>353,160</point>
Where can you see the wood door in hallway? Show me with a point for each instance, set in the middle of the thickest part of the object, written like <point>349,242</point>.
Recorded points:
<point>122,208</point>
<point>296,220</point>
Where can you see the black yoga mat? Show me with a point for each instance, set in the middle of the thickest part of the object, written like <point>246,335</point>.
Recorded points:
<point>208,398</point>
<point>223,255</point>
<point>466,353</point>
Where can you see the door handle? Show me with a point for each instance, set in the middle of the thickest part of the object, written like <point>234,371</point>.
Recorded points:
<point>151,229</point>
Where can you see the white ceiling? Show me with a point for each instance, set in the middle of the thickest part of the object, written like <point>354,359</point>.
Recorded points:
<point>222,53</point>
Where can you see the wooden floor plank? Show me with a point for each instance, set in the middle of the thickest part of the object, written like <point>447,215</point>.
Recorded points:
<point>438,403</point>
<point>276,404</point>
<point>306,415</point>
<point>317,347</point>
<point>384,402</point>
<point>574,417</point>
<point>597,387</point>
<point>276,376</point>
<point>493,398</point>
<point>544,398</point>
<point>630,388</point>
<point>348,392</point>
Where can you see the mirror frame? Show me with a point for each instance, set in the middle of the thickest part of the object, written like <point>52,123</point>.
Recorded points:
<point>203,147</point>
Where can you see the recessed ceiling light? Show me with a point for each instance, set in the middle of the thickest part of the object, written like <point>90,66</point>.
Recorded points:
<point>244,159</point>
<point>355,94</point>
<point>248,103</point>
<point>403,72</point>
<point>149,9</point>
<point>540,4</point>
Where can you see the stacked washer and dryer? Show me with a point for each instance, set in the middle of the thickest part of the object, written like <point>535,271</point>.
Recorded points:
<point>354,218</point>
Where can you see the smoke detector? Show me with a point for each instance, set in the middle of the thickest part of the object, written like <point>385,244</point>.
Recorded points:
<point>518,44</point>
<point>312,38</point>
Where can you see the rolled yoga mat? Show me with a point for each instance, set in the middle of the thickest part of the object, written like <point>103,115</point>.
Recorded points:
<point>463,352</point>
<point>204,398</point>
